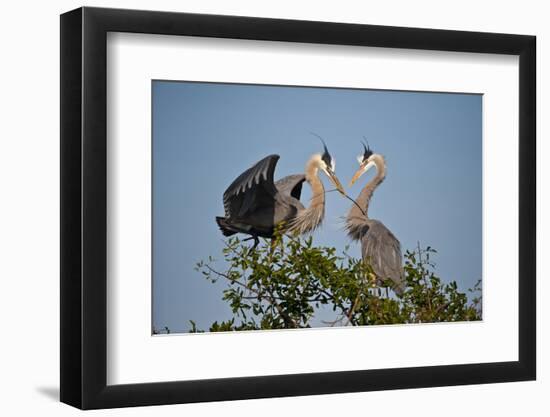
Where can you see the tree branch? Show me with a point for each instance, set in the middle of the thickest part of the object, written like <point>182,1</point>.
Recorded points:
<point>270,298</point>
<point>352,309</point>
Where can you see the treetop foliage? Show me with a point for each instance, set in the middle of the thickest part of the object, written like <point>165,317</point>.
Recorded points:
<point>283,283</point>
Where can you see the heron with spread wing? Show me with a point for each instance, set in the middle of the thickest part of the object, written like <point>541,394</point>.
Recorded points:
<point>379,247</point>
<point>256,205</point>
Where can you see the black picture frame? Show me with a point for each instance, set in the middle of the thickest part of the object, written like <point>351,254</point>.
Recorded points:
<point>84,207</point>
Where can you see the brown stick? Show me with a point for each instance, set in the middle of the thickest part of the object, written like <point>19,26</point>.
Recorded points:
<point>353,307</point>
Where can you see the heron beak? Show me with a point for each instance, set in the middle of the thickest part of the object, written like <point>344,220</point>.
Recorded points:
<point>362,169</point>
<point>334,179</point>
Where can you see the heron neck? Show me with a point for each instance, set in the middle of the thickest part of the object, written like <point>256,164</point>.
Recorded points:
<point>311,217</point>
<point>317,188</point>
<point>363,200</point>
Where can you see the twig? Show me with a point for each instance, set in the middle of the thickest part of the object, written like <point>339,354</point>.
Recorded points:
<point>353,307</point>
<point>347,196</point>
<point>221,274</point>
<point>442,307</point>
<point>332,323</point>
<point>270,299</point>
<point>355,202</point>
<point>424,275</point>
<point>287,319</point>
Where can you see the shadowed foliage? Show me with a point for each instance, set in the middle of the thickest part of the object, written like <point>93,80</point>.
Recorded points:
<point>284,283</point>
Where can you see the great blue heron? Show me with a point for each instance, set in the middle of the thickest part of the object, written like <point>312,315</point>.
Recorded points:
<point>256,206</point>
<point>379,247</point>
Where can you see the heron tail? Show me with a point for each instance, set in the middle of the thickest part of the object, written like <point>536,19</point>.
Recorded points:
<point>399,288</point>
<point>225,226</point>
<point>399,283</point>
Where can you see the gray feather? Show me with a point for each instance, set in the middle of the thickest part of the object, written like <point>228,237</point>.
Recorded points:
<point>255,205</point>
<point>291,185</point>
<point>252,188</point>
<point>382,250</point>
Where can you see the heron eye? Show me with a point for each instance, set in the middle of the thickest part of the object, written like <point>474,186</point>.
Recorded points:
<point>360,159</point>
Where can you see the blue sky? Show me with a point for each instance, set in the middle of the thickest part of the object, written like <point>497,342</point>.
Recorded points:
<point>206,134</point>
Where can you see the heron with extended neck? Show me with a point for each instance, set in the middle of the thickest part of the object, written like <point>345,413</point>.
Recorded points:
<point>256,205</point>
<point>379,247</point>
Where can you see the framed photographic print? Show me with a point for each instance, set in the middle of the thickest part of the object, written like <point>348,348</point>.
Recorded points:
<point>350,207</point>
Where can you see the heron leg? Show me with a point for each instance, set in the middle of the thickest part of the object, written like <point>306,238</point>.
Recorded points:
<point>273,246</point>
<point>256,240</point>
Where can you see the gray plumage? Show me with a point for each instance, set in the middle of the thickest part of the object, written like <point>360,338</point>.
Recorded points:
<point>291,185</point>
<point>379,247</point>
<point>255,205</point>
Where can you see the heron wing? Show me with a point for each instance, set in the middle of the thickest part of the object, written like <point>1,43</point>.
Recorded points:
<point>252,189</point>
<point>383,252</point>
<point>291,185</point>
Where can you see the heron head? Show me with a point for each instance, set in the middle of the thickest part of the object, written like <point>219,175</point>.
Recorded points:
<point>366,162</point>
<point>328,165</point>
